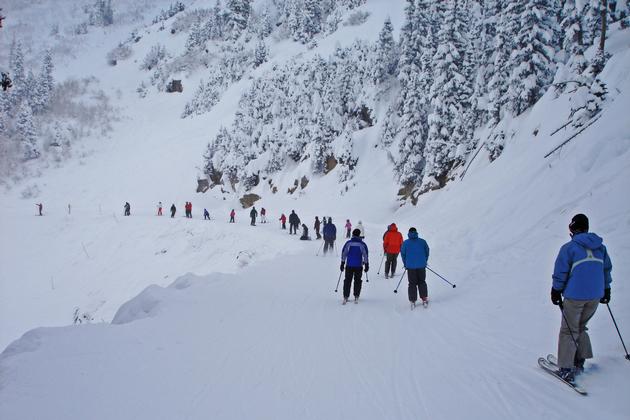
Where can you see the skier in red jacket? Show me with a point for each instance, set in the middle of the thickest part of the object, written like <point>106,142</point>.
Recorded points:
<point>391,246</point>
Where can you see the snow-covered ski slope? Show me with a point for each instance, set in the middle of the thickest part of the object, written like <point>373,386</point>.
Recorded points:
<point>257,331</point>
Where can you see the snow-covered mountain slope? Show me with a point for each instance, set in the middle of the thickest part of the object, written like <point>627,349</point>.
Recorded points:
<point>257,330</point>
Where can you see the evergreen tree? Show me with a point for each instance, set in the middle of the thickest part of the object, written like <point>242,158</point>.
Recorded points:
<point>237,16</point>
<point>386,54</point>
<point>311,20</point>
<point>25,133</point>
<point>532,61</point>
<point>260,53</point>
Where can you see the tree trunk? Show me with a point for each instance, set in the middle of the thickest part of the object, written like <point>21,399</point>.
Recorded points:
<point>604,10</point>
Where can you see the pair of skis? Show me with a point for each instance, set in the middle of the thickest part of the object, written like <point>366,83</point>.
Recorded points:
<point>356,300</point>
<point>550,365</point>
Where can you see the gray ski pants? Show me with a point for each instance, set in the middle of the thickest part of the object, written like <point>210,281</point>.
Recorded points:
<point>577,314</point>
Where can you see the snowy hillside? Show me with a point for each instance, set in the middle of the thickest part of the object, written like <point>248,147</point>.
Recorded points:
<point>144,317</point>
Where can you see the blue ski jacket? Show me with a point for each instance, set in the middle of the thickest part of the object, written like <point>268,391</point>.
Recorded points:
<point>354,253</point>
<point>582,269</point>
<point>414,251</point>
<point>329,231</point>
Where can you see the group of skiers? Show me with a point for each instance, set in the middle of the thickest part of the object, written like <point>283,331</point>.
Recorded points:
<point>414,252</point>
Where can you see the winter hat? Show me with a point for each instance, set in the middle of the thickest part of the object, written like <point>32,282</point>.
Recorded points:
<point>413,229</point>
<point>356,232</point>
<point>579,223</point>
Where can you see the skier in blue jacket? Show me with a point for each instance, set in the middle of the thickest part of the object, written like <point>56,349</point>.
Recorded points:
<point>330,235</point>
<point>353,257</point>
<point>415,254</point>
<point>582,275</point>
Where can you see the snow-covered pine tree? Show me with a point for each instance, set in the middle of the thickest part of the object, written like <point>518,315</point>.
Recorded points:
<point>25,133</point>
<point>260,53</point>
<point>310,22</point>
<point>532,61</point>
<point>449,101</point>
<point>236,17</point>
<point>44,84</point>
<point>386,60</point>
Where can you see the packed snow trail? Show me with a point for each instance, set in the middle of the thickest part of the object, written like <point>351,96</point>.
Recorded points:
<point>274,341</point>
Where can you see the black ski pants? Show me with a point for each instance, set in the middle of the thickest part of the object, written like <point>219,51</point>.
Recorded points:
<point>352,273</point>
<point>390,263</point>
<point>417,283</point>
<point>293,227</point>
<point>329,245</point>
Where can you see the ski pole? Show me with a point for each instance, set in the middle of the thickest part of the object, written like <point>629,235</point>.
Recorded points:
<point>381,264</point>
<point>615,322</point>
<point>429,268</point>
<point>320,248</point>
<point>367,279</point>
<point>400,281</point>
<point>338,280</point>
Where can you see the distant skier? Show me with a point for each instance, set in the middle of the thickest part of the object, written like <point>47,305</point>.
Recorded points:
<point>232,215</point>
<point>40,207</point>
<point>188,209</point>
<point>355,256</point>
<point>362,229</point>
<point>316,227</point>
<point>305,236</point>
<point>294,223</point>
<point>253,214</point>
<point>415,254</point>
<point>582,275</point>
<point>206,214</point>
<point>330,235</point>
<point>69,209</point>
<point>263,215</point>
<point>348,227</point>
<point>392,242</point>
<point>283,221</point>
<point>173,210</point>
<point>127,209</point>
<point>159,206</point>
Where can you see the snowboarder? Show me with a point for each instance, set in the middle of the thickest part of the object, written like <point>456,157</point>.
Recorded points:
<point>263,215</point>
<point>232,215</point>
<point>159,206</point>
<point>582,276</point>
<point>206,214</point>
<point>283,221</point>
<point>294,223</point>
<point>253,214</point>
<point>127,209</point>
<point>305,236</point>
<point>348,228</point>
<point>391,246</point>
<point>362,229</point>
<point>415,254</point>
<point>6,82</point>
<point>330,235</point>
<point>355,255</point>
<point>316,227</point>
<point>40,207</point>
<point>173,210</point>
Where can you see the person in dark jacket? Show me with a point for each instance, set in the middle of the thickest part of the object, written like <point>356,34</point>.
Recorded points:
<point>354,257</point>
<point>330,235</point>
<point>316,227</point>
<point>127,209</point>
<point>206,214</point>
<point>173,210</point>
<point>294,223</point>
<point>305,236</point>
<point>253,214</point>
<point>582,276</point>
<point>415,254</point>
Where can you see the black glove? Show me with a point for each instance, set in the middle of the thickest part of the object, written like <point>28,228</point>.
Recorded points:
<point>342,266</point>
<point>556,297</point>
<point>606,297</point>
<point>367,267</point>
